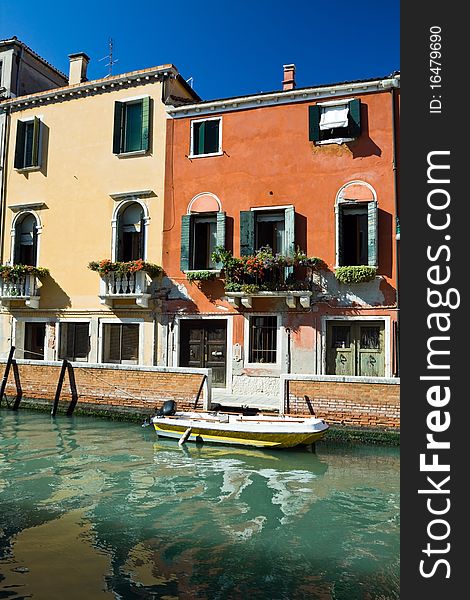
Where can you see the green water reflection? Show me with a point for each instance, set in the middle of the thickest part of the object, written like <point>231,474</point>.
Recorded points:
<point>97,509</point>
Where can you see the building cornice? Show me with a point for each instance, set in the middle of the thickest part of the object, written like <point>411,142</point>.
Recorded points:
<point>284,97</point>
<point>88,88</point>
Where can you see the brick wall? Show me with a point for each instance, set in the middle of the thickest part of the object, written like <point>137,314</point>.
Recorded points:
<point>359,402</point>
<point>138,390</point>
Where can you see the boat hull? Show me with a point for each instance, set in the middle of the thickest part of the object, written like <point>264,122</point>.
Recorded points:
<point>255,433</point>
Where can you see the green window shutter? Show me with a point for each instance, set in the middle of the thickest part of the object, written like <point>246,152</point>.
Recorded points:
<point>290,230</point>
<point>132,128</point>
<point>355,118</point>
<point>220,234</point>
<point>340,240</point>
<point>201,138</point>
<point>289,225</point>
<point>221,229</point>
<point>145,123</point>
<point>372,222</point>
<point>186,237</point>
<point>19,147</point>
<point>118,125</point>
<point>37,139</point>
<point>314,113</point>
<point>247,232</point>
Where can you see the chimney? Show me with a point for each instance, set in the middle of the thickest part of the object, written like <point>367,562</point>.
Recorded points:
<point>78,65</point>
<point>289,77</point>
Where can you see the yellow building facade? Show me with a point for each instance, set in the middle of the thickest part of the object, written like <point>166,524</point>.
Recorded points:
<point>83,181</point>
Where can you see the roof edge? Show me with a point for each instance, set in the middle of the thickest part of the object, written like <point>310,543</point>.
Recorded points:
<point>298,94</point>
<point>15,41</point>
<point>78,88</point>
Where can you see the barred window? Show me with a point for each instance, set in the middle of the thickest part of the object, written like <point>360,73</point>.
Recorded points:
<point>263,339</point>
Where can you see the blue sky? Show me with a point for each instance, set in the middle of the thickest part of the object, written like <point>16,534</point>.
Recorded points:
<point>230,48</point>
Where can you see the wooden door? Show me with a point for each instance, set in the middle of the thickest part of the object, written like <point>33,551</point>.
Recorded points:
<point>370,350</point>
<point>340,349</point>
<point>203,344</point>
<point>355,348</point>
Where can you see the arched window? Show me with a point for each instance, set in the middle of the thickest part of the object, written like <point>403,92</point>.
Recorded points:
<point>26,240</point>
<point>130,233</point>
<point>202,229</point>
<point>356,225</point>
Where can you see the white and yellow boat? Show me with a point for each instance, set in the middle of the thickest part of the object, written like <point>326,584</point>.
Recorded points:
<point>261,431</point>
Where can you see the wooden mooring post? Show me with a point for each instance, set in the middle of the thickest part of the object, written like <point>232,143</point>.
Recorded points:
<point>59,387</point>
<point>19,390</point>
<point>7,372</point>
<point>73,389</point>
<point>66,367</point>
<point>199,391</point>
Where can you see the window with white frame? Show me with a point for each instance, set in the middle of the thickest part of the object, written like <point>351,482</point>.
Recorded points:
<point>34,340</point>
<point>26,240</point>
<point>28,148</point>
<point>121,343</point>
<point>206,137</point>
<point>130,240</point>
<point>338,122</point>
<point>74,342</point>
<point>204,241</point>
<point>262,339</point>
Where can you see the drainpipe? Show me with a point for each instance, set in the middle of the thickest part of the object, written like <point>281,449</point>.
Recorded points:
<point>397,245</point>
<point>288,366</point>
<point>3,195</point>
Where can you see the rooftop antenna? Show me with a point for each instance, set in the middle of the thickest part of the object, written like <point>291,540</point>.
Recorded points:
<point>109,56</point>
<point>190,81</point>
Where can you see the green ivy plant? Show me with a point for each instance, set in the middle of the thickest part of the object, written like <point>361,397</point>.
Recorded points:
<point>105,266</point>
<point>355,274</point>
<point>16,272</point>
<point>200,276</point>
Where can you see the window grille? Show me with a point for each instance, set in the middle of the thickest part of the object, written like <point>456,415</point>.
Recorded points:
<point>263,339</point>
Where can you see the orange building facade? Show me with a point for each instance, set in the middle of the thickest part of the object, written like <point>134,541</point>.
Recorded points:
<point>302,174</point>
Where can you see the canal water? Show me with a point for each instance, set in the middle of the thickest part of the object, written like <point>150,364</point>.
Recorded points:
<point>97,509</point>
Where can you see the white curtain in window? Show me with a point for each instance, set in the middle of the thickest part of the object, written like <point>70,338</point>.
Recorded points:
<point>334,116</point>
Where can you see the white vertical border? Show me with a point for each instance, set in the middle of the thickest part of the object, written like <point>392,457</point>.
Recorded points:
<point>385,319</point>
<point>229,342</point>
<point>191,138</point>
<point>116,321</point>
<point>280,350</point>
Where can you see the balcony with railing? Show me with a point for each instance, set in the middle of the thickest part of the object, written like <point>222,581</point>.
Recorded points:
<point>265,275</point>
<point>20,284</point>
<point>125,281</point>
